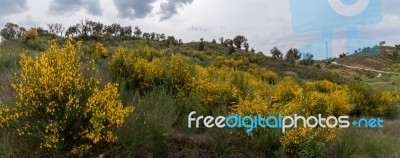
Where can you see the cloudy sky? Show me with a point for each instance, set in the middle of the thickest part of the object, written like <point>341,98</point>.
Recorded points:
<point>265,23</point>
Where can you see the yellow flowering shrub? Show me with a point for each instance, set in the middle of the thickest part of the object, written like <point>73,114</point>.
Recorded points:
<point>381,100</point>
<point>367,101</point>
<point>118,63</point>
<point>322,86</point>
<point>145,72</point>
<point>265,75</point>
<point>309,99</point>
<point>179,72</point>
<point>258,87</point>
<point>31,34</point>
<point>214,86</point>
<point>142,67</point>
<point>3,114</point>
<point>102,121</point>
<point>98,49</point>
<point>232,62</point>
<point>59,103</point>
<point>286,91</point>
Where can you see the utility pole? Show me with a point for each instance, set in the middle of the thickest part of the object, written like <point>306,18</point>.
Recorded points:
<point>326,50</point>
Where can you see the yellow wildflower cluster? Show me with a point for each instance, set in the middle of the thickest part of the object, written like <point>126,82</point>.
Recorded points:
<point>214,85</point>
<point>232,62</point>
<point>101,120</point>
<point>289,98</point>
<point>224,85</point>
<point>367,101</point>
<point>265,75</point>
<point>97,49</point>
<point>179,72</point>
<point>60,103</point>
<point>3,114</point>
<point>140,66</point>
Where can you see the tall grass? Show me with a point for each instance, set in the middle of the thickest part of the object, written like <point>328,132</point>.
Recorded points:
<point>7,94</point>
<point>9,58</point>
<point>359,142</point>
<point>6,144</point>
<point>146,131</point>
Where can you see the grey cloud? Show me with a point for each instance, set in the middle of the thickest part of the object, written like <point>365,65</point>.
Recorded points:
<point>12,6</point>
<point>134,9</point>
<point>197,28</point>
<point>29,21</point>
<point>169,8</point>
<point>70,6</point>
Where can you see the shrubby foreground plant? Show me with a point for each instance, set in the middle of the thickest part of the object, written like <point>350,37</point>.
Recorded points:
<point>59,102</point>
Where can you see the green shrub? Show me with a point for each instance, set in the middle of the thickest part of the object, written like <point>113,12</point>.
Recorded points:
<point>31,38</point>
<point>311,148</point>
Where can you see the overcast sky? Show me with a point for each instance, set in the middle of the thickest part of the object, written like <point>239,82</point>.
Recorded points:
<point>265,23</point>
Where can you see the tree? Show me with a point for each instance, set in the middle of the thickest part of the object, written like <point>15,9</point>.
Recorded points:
<point>307,59</point>
<point>343,55</point>
<point>276,53</point>
<point>228,42</point>
<point>214,41</point>
<point>246,46</point>
<point>221,40</point>
<point>170,40</point>
<point>115,29</point>
<point>252,50</point>
<point>239,40</point>
<point>126,31</point>
<point>162,36</point>
<point>97,28</point>
<point>146,36</point>
<point>21,32</point>
<point>292,55</point>
<point>152,36</point>
<point>41,31</point>
<point>59,29</point>
<point>201,45</point>
<point>72,31</point>
<point>84,28</point>
<point>138,32</point>
<point>381,43</point>
<point>10,31</point>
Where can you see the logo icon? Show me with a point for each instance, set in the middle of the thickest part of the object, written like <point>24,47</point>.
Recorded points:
<point>327,15</point>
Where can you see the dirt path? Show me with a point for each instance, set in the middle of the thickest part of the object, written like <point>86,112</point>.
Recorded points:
<point>353,67</point>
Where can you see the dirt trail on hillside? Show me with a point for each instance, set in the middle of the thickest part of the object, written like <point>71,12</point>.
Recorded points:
<point>367,69</point>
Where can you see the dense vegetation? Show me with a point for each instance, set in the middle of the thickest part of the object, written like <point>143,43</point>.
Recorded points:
<point>102,91</point>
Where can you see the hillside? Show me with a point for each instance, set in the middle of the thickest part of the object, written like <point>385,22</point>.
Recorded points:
<point>131,96</point>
